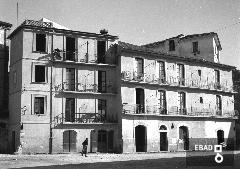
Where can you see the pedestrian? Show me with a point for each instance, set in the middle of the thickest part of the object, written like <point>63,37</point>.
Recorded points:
<point>84,149</point>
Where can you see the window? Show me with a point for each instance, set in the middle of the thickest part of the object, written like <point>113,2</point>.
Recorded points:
<point>201,100</point>
<point>181,74</point>
<point>39,105</point>
<point>182,103</point>
<point>171,45</point>
<point>102,109</point>
<point>162,102</point>
<point>102,81</point>
<point>195,47</point>
<point>40,42</point>
<point>199,73</point>
<point>219,105</point>
<point>101,51</point>
<point>40,73</point>
<point>161,71</point>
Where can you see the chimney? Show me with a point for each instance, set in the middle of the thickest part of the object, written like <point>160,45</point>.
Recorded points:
<point>104,31</point>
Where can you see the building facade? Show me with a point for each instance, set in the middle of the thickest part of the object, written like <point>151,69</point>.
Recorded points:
<point>67,85</point>
<point>64,89</point>
<point>176,94</point>
<point>4,53</point>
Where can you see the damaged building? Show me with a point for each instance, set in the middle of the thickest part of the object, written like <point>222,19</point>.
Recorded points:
<point>68,85</point>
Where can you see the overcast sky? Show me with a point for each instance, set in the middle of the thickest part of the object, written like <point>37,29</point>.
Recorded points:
<point>139,21</point>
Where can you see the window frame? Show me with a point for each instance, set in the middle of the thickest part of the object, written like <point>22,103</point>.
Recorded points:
<point>34,43</point>
<point>44,104</point>
<point>33,80</point>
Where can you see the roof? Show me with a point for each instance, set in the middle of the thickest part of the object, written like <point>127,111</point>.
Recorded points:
<point>159,42</point>
<point>48,26</point>
<point>127,47</point>
<point>182,37</point>
<point>5,25</point>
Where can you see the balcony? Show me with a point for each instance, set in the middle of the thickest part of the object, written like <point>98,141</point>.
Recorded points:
<point>128,76</point>
<point>80,118</point>
<point>85,88</point>
<point>74,57</point>
<point>176,111</point>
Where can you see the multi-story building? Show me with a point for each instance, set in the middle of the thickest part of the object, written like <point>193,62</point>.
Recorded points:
<point>67,85</point>
<point>63,89</point>
<point>176,94</point>
<point>4,52</point>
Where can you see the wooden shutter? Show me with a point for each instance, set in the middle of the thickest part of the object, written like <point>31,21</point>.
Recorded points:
<point>34,42</point>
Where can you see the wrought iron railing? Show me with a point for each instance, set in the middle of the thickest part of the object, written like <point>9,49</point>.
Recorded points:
<point>74,56</point>
<point>175,110</point>
<point>79,118</point>
<point>174,81</point>
<point>85,87</point>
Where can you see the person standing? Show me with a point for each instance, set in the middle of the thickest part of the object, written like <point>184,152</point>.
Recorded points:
<point>84,149</point>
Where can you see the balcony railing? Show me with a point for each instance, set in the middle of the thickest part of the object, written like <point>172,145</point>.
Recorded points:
<point>80,118</point>
<point>83,87</point>
<point>174,81</point>
<point>176,111</point>
<point>74,56</point>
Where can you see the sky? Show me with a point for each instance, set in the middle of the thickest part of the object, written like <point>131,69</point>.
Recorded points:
<point>138,21</point>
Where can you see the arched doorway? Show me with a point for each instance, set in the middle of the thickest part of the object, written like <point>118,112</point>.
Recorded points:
<point>220,136</point>
<point>69,141</point>
<point>163,138</point>
<point>184,137</point>
<point>102,141</point>
<point>141,138</point>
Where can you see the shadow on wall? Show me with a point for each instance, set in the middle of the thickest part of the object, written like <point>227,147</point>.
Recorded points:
<point>170,163</point>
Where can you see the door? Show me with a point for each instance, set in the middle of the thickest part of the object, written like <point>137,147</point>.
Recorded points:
<point>220,136</point>
<point>161,72</point>
<point>101,51</point>
<point>102,141</point>
<point>183,138</point>
<point>70,48</point>
<point>102,82</point>
<point>163,141</point>
<point>139,69</point>
<point>70,110</point>
<point>141,138</point>
<point>13,141</point>
<point>181,74</point>
<point>162,102</point>
<point>182,103</point>
<point>70,79</point>
<point>69,141</point>
<point>110,141</point>
<point>139,100</point>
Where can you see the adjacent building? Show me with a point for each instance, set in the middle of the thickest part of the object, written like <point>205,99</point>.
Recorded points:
<point>68,85</point>
<point>4,53</point>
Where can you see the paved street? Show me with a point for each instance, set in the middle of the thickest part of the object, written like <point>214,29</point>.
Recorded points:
<point>105,161</point>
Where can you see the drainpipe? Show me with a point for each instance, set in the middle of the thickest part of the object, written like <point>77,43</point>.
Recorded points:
<point>50,134</point>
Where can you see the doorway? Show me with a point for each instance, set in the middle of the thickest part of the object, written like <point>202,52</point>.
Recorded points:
<point>69,141</point>
<point>139,100</point>
<point>141,138</point>
<point>163,138</point>
<point>220,136</point>
<point>102,141</point>
<point>184,137</point>
<point>70,48</point>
